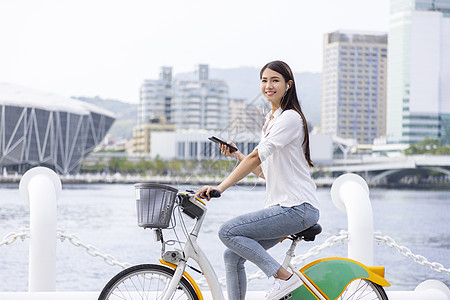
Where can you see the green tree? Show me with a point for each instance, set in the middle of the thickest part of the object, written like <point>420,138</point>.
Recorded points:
<point>174,167</point>
<point>127,166</point>
<point>159,165</point>
<point>144,166</point>
<point>427,146</point>
<point>114,164</point>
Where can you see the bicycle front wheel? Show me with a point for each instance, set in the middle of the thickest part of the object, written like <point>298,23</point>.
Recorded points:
<point>362,289</point>
<point>145,282</point>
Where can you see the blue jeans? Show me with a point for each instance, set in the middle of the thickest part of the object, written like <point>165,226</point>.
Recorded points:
<point>247,237</point>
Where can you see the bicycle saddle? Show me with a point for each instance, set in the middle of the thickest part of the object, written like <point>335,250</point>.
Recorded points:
<point>309,234</point>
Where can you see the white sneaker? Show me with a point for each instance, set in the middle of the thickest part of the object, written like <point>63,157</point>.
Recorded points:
<point>281,288</point>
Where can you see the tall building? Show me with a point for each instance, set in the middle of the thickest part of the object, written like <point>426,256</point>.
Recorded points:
<point>354,85</point>
<point>199,104</point>
<point>245,117</point>
<point>188,104</point>
<point>418,99</point>
<point>155,97</point>
<point>168,105</point>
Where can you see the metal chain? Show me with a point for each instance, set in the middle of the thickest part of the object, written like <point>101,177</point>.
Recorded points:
<point>91,250</point>
<point>13,236</point>
<point>421,260</point>
<point>73,239</point>
<point>314,251</point>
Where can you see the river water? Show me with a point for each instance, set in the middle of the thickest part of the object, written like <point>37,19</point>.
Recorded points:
<point>104,216</point>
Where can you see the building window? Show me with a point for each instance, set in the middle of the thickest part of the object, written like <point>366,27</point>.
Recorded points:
<point>241,147</point>
<point>206,150</point>
<point>180,150</point>
<point>192,149</point>
<point>251,147</point>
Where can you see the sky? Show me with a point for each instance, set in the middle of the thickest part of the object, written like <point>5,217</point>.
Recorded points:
<point>106,48</point>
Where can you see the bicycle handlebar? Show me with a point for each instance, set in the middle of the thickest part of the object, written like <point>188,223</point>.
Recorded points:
<point>214,194</point>
<point>190,204</point>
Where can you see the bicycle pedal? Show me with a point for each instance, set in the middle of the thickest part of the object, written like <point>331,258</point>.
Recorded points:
<point>286,297</point>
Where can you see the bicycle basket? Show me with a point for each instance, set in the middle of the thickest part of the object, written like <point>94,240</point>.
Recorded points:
<point>154,203</point>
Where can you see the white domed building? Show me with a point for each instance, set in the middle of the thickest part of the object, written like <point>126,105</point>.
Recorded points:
<point>43,129</point>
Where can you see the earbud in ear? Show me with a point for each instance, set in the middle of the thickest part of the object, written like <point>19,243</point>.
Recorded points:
<point>287,87</point>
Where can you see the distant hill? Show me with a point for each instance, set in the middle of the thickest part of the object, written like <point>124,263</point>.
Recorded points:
<point>243,83</point>
<point>125,113</point>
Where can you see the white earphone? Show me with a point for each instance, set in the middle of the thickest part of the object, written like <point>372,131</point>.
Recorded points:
<point>287,87</point>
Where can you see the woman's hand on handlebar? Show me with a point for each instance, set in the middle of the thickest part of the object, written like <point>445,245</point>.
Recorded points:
<point>206,192</point>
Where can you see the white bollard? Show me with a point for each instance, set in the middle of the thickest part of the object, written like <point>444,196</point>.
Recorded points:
<point>40,188</point>
<point>350,194</point>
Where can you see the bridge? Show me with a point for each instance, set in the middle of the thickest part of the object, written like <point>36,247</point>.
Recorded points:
<point>378,170</point>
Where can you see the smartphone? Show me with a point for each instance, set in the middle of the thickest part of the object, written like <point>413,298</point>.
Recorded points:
<point>219,141</point>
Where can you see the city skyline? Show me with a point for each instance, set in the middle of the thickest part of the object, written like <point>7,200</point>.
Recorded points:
<point>105,49</point>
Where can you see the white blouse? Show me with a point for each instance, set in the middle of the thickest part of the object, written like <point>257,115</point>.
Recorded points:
<point>287,173</point>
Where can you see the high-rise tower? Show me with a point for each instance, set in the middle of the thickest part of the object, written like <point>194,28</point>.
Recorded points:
<point>418,99</point>
<point>201,103</point>
<point>156,97</point>
<point>354,85</point>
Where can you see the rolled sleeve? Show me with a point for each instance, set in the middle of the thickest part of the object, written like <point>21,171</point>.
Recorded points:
<point>285,129</point>
<point>264,151</point>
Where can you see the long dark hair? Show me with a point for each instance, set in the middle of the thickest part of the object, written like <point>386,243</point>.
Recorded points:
<point>290,100</point>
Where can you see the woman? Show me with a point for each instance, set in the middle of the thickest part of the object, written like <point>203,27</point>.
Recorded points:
<point>282,157</point>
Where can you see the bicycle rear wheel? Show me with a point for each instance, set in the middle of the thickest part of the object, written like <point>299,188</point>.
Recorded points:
<point>362,289</point>
<point>145,282</point>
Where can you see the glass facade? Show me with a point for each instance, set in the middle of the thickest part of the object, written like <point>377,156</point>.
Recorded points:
<point>423,5</point>
<point>445,129</point>
<point>434,5</point>
<point>418,35</point>
<point>398,75</point>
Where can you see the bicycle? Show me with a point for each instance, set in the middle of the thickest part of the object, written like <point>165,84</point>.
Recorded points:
<point>324,279</point>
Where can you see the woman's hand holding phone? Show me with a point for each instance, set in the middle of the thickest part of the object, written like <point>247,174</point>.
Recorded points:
<point>225,150</point>
<point>228,148</point>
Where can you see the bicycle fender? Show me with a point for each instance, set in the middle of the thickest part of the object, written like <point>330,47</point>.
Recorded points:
<point>187,276</point>
<point>332,275</point>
